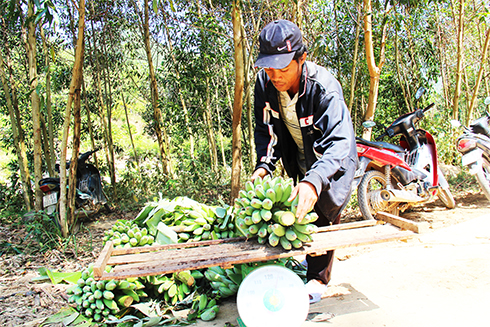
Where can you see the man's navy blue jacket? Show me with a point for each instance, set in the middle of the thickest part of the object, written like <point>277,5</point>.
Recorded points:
<point>328,136</point>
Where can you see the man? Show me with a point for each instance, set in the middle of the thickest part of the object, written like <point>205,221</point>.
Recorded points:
<point>301,118</point>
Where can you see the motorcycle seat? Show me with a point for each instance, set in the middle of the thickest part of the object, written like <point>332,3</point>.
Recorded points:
<point>381,145</point>
<point>49,180</point>
<point>480,127</point>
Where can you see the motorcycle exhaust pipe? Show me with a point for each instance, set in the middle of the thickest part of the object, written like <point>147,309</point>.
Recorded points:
<point>399,196</point>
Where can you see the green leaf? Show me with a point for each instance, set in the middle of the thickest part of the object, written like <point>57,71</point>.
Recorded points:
<point>152,321</point>
<point>141,217</point>
<point>171,3</point>
<point>53,54</point>
<point>220,212</point>
<point>145,308</point>
<point>71,318</point>
<point>67,316</point>
<point>58,277</point>
<point>165,235</point>
<point>155,6</point>
<point>153,220</point>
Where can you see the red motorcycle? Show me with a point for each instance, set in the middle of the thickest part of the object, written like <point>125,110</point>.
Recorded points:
<point>392,178</point>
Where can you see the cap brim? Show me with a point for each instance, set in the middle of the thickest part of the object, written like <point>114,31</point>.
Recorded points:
<point>275,61</point>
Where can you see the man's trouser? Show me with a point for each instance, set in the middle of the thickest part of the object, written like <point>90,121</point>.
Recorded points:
<point>320,267</point>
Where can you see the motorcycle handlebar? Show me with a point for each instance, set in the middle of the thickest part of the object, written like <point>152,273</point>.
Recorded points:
<point>429,107</point>
<point>381,137</point>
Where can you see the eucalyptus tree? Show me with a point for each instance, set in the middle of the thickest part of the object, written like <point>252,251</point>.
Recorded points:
<point>10,22</point>
<point>236,17</point>
<point>461,36</point>
<point>160,131</point>
<point>67,218</point>
<point>176,71</point>
<point>27,19</point>
<point>333,36</point>
<point>29,37</point>
<point>476,40</point>
<point>459,57</point>
<point>479,78</point>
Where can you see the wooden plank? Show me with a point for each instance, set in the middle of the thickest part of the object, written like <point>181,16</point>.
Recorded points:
<point>243,251</point>
<point>416,227</point>
<point>355,224</point>
<point>123,256</point>
<point>105,254</point>
<point>137,254</point>
<point>154,248</point>
<point>198,250</point>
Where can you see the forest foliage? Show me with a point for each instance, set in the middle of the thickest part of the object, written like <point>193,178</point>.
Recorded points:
<point>157,85</point>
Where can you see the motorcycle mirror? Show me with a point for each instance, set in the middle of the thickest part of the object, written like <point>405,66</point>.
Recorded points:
<point>368,124</point>
<point>419,93</point>
<point>487,101</point>
<point>455,123</point>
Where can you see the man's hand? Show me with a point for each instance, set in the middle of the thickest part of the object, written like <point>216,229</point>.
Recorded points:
<point>261,172</point>
<point>307,199</point>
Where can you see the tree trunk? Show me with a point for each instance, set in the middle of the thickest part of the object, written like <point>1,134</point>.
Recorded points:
<point>228,95</point>
<point>399,74</point>
<point>298,14</point>
<point>443,61</point>
<point>109,103</point>
<point>478,81</point>
<point>374,70</point>
<point>45,144</point>
<point>247,61</point>
<point>89,121</point>
<point>97,81</point>
<point>236,17</point>
<point>157,114</point>
<point>181,97</point>
<point>30,44</point>
<point>77,122</point>
<point>209,129</point>
<point>337,41</point>
<point>220,132</point>
<point>20,146</point>
<point>135,154</point>
<point>459,67</point>
<point>51,151</point>
<point>354,60</point>
<point>74,88</point>
<point>487,90</point>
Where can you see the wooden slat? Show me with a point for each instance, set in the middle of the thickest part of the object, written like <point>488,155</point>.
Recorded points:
<point>163,247</point>
<point>355,224</point>
<point>226,254</point>
<point>105,254</point>
<point>417,227</point>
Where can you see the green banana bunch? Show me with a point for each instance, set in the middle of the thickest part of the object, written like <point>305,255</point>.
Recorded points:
<point>172,287</point>
<point>224,282</point>
<point>196,221</point>
<point>210,223</point>
<point>125,234</point>
<point>263,210</point>
<point>99,299</point>
<point>203,307</point>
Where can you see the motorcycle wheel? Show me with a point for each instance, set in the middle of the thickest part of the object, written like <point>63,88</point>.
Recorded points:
<point>444,193</point>
<point>372,182</point>
<point>483,177</point>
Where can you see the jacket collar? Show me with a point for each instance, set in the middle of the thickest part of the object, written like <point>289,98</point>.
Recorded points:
<point>304,79</point>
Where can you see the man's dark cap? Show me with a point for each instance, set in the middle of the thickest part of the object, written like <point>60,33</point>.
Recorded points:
<point>279,41</point>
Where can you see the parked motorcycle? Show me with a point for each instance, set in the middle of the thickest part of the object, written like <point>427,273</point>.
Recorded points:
<point>392,178</point>
<point>89,195</point>
<point>474,145</point>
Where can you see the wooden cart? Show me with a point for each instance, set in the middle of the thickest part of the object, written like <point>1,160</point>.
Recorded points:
<point>164,259</point>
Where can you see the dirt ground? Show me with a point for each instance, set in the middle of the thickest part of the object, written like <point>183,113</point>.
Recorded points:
<point>26,303</point>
